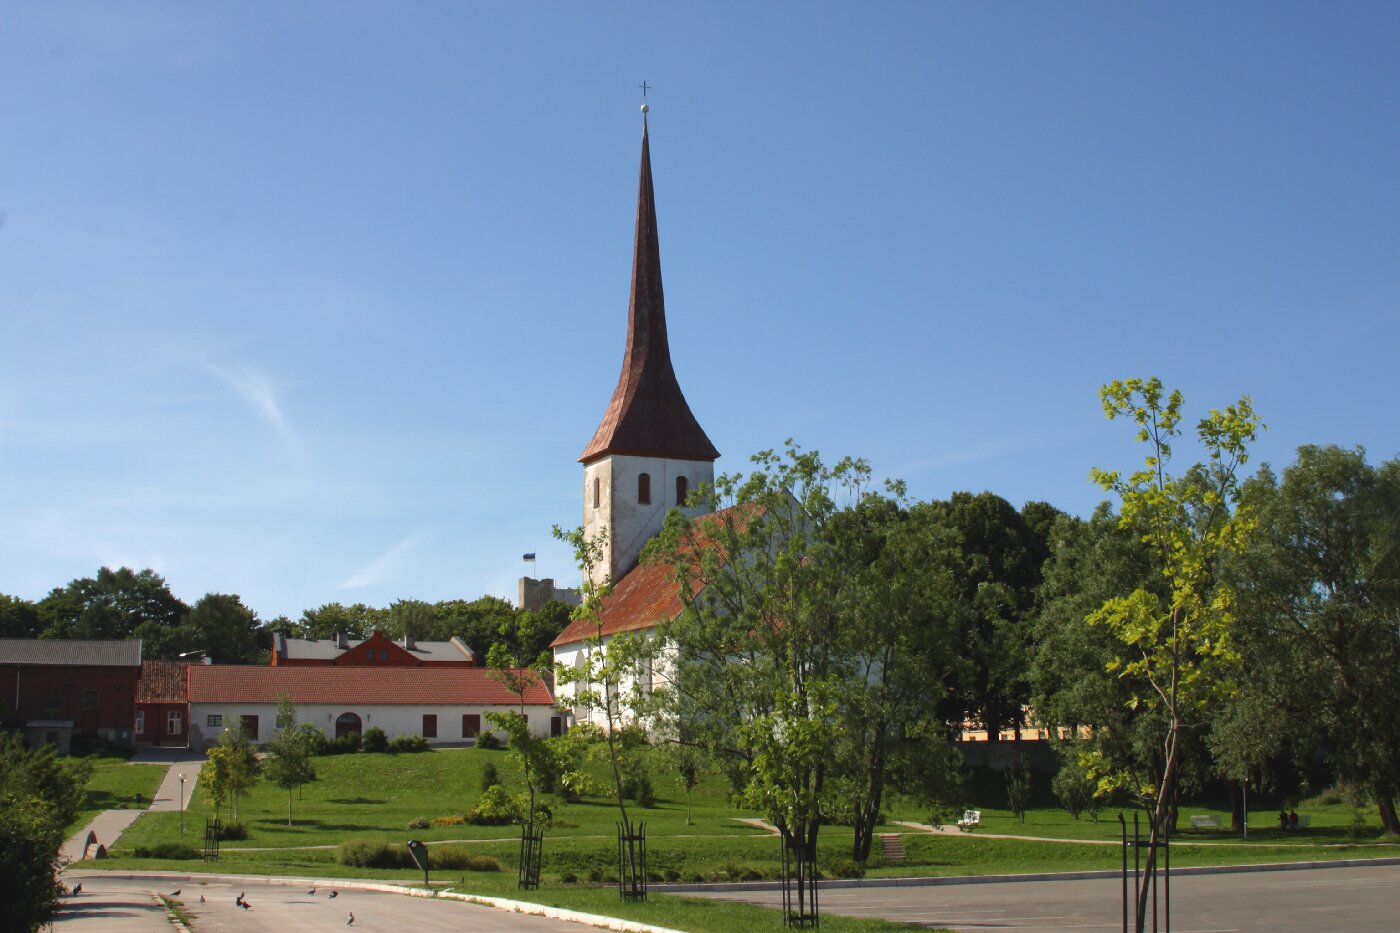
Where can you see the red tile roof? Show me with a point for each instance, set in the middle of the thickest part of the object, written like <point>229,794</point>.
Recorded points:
<point>399,686</point>
<point>162,682</point>
<point>648,594</point>
<point>648,415</point>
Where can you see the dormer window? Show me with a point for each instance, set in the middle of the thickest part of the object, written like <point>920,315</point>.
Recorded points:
<point>644,489</point>
<point>682,489</point>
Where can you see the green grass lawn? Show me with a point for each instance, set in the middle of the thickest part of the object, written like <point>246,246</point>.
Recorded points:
<point>374,796</point>
<point>114,784</point>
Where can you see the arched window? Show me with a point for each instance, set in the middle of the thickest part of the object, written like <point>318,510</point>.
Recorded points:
<point>644,488</point>
<point>682,488</point>
<point>347,723</point>
<point>597,491</point>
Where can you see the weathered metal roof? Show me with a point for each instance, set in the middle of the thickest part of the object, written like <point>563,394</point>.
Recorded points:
<point>66,652</point>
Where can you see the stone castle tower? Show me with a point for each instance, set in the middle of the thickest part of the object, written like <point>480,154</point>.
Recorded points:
<point>649,452</point>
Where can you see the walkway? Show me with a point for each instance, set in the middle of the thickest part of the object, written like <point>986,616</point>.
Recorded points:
<point>108,825</point>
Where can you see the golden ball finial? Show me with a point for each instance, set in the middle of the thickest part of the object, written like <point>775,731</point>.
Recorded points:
<point>646,108</point>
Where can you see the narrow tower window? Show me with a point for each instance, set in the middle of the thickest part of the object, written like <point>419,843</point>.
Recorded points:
<point>596,494</point>
<point>644,488</point>
<point>682,488</point>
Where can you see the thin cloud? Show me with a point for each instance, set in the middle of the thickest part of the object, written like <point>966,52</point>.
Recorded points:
<point>258,393</point>
<point>379,569</point>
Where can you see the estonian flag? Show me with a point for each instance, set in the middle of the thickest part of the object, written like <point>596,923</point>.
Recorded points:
<point>530,556</point>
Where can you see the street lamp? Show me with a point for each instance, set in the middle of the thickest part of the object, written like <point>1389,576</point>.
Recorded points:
<point>182,804</point>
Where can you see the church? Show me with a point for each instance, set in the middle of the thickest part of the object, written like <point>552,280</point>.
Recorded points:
<point>647,455</point>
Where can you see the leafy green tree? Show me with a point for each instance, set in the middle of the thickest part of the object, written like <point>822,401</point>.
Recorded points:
<point>535,754</point>
<point>478,622</point>
<point>1176,639</point>
<point>355,621</point>
<point>39,795</point>
<point>689,762</point>
<point>290,755</point>
<point>230,770</point>
<point>762,663</point>
<point>1320,585</point>
<point>616,675</point>
<point>115,604</point>
<point>228,631</point>
<point>19,618</point>
<point>896,596</point>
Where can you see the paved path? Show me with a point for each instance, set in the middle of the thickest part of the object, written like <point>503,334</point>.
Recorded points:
<point>108,825</point>
<point>1357,900</point>
<point>118,903</point>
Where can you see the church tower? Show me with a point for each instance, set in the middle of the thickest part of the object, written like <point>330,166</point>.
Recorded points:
<point>649,452</point>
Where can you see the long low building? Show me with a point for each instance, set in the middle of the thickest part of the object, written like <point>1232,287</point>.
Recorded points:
<point>447,705</point>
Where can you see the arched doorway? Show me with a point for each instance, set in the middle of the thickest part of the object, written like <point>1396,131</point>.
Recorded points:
<point>347,723</point>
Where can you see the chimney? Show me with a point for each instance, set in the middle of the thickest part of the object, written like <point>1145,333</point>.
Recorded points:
<point>342,640</point>
<point>408,643</point>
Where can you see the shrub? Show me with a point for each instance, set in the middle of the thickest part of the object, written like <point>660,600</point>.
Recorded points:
<point>233,831</point>
<point>453,820</point>
<point>408,743</point>
<point>171,850</point>
<point>374,740</point>
<point>568,877</point>
<point>489,777</point>
<point>637,786</point>
<point>495,808</point>
<point>845,868</point>
<point>456,858</point>
<point>420,822</point>
<point>489,741</point>
<point>349,742</point>
<point>371,853</point>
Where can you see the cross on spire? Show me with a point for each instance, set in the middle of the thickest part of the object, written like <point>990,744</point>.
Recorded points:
<point>645,87</point>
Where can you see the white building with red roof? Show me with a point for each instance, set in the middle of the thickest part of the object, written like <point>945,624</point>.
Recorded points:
<point>447,705</point>
<point>646,457</point>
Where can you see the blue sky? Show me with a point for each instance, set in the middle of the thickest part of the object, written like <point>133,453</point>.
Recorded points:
<point>321,301</point>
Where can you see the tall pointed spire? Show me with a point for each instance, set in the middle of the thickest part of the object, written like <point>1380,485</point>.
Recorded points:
<point>648,415</point>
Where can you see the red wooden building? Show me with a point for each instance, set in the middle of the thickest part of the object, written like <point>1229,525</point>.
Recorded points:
<point>57,690</point>
<point>162,704</point>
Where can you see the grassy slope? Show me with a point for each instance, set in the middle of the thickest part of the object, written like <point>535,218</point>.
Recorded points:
<point>114,784</point>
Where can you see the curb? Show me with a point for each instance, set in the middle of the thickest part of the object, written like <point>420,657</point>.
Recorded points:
<point>732,886</point>
<point>499,903</point>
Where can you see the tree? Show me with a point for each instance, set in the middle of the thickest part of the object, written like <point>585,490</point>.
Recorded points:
<point>1321,586</point>
<point>761,662</point>
<point>1176,639</point>
<point>356,621</point>
<point>19,618</point>
<point>39,795</point>
<point>896,614</point>
<point>615,676</point>
<point>689,761</point>
<point>230,770</point>
<point>226,630</point>
<point>114,604</point>
<point>479,622</point>
<point>536,758</point>
<point>290,754</point>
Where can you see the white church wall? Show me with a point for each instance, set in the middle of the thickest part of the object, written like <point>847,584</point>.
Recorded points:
<point>574,657</point>
<point>630,523</point>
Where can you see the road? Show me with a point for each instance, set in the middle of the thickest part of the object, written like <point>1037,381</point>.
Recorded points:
<point>1354,900</point>
<point>110,904</point>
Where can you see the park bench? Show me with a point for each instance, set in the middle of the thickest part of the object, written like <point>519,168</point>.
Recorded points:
<point>1204,822</point>
<point>970,820</point>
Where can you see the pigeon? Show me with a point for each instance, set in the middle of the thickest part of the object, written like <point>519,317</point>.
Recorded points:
<point>78,888</point>
<point>351,921</point>
<point>335,894</point>
<point>245,905</point>
<point>239,899</point>
<point>176,892</point>
<point>201,898</point>
<point>313,890</point>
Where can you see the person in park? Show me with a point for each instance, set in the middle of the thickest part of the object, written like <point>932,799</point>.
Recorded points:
<point>1292,819</point>
<point>1283,819</point>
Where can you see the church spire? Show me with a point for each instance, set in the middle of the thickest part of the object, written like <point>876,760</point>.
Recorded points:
<point>648,415</point>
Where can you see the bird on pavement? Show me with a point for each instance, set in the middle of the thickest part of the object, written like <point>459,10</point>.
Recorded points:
<point>313,890</point>
<point>245,905</point>
<point>335,894</point>
<point>351,921</point>
<point>176,892</point>
<point>201,898</point>
<point>78,888</point>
